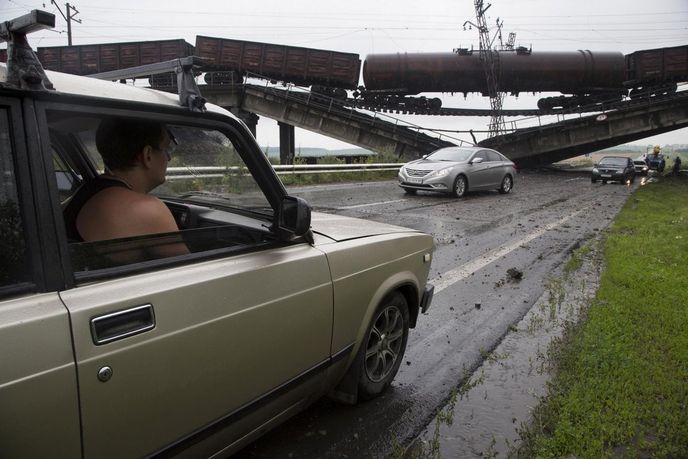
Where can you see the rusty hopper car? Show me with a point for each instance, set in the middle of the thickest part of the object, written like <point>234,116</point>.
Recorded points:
<point>302,66</point>
<point>657,69</point>
<point>520,71</point>
<point>89,59</point>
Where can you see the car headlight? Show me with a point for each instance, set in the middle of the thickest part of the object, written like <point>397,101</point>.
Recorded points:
<point>595,171</point>
<point>441,172</point>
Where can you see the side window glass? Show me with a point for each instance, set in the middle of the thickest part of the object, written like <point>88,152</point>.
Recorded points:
<point>68,181</point>
<point>494,156</point>
<point>14,268</point>
<point>202,197</point>
<point>482,154</point>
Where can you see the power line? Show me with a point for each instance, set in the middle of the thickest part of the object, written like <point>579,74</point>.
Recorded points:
<point>69,17</point>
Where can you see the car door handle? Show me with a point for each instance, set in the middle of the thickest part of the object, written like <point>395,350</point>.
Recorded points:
<point>121,324</point>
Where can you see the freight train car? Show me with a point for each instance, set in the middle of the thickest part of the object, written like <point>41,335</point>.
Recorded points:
<point>302,66</point>
<point>585,77</point>
<point>90,59</point>
<point>656,71</point>
<point>582,73</point>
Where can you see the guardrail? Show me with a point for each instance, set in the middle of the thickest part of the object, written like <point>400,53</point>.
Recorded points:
<point>190,172</point>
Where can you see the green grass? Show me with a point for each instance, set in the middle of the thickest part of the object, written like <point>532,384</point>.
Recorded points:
<point>621,386</point>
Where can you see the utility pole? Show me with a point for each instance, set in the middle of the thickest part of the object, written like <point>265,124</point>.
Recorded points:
<point>490,61</point>
<point>69,17</point>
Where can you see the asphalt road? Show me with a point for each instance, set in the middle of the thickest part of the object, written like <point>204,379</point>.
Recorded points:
<point>478,238</point>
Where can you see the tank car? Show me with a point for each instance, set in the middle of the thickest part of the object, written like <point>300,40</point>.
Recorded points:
<point>520,71</point>
<point>581,73</point>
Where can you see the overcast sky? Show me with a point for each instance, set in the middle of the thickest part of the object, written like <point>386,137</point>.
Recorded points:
<point>380,26</point>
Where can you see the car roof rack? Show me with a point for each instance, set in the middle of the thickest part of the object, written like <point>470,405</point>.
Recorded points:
<point>24,70</point>
<point>189,93</point>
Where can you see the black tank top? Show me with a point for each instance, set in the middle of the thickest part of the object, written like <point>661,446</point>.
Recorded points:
<point>81,197</point>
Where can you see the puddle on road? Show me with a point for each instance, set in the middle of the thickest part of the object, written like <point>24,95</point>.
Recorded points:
<point>484,418</point>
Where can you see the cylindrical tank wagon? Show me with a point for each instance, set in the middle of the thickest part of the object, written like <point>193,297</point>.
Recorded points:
<point>579,72</point>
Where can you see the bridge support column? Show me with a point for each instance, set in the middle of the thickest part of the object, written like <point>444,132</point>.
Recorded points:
<point>250,119</point>
<point>287,143</point>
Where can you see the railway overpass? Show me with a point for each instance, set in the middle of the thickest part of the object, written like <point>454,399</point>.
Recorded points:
<point>557,141</point>
<point>623,122</point>
<point>322,115</point>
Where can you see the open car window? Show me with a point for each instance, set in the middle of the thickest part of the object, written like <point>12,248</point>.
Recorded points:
<point>215,201</point>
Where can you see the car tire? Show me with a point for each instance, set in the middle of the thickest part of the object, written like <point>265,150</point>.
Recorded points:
<point>460,186</point>
<point>604,182</point>
<point>384,345</point>
<point>507,185</point>
<point>593,179</point>
<point>410,191</point>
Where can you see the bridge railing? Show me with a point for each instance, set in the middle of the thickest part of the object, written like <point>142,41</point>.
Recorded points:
<point>547,120</point>
<point>191,172</point>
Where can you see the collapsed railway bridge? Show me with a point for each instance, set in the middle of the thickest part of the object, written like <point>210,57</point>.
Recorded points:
<point>585,79</point>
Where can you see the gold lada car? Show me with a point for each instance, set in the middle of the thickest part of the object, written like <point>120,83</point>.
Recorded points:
<point>115,349</point>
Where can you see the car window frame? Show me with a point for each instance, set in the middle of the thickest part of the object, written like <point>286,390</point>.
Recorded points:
<point>248,149</point>
<point>37,219</point>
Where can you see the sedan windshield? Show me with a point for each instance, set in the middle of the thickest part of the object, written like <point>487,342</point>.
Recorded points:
<point>451,154</point>
<point>613,162</point>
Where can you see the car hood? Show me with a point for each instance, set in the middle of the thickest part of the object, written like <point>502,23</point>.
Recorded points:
<point>430,165</point>
<point>341,228</point>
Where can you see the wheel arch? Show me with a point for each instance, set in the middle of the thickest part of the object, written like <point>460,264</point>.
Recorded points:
<point>346,390</point>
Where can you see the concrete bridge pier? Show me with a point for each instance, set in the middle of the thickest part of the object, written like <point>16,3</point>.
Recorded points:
<point>287,143</point>
<point>249,118</point>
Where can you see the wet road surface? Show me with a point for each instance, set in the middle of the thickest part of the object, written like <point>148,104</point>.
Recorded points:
<point>478,239</point>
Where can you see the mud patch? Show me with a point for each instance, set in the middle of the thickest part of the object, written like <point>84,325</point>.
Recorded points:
<point>484,417</point>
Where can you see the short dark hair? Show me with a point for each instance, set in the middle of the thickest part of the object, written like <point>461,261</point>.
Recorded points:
<point>120,141</point>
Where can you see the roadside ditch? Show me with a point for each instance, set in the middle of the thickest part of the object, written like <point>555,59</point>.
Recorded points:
<point>488,414</point>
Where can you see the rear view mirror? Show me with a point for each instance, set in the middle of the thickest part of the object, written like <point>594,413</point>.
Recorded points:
<point>294,217</point>
<point>476,160</point>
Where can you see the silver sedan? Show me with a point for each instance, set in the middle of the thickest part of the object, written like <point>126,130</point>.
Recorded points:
<point>457,170</point>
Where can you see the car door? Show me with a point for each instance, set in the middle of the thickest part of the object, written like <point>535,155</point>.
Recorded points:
<point>480,172</point>
<point>209,342</point>
<point>193,350</point>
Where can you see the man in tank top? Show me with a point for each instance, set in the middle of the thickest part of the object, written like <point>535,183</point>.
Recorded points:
<point>117,204</point>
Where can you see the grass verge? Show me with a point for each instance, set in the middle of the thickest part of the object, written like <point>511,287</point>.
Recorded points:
<point>621,384</point>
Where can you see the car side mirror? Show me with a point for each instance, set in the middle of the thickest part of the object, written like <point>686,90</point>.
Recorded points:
<point>476,160</point>
<point>294,217</point>
<point>424,157</point>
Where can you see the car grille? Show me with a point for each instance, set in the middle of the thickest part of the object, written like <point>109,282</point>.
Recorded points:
<point>609,171</point>
<point>416,172</point>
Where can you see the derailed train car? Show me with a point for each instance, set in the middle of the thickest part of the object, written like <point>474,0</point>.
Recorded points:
<point>90,59</point>
<point>323,69</point>
<point>582,77</point>
<point>585,76</point>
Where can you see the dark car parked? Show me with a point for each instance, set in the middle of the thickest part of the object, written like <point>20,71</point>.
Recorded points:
<point>614,168</point>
